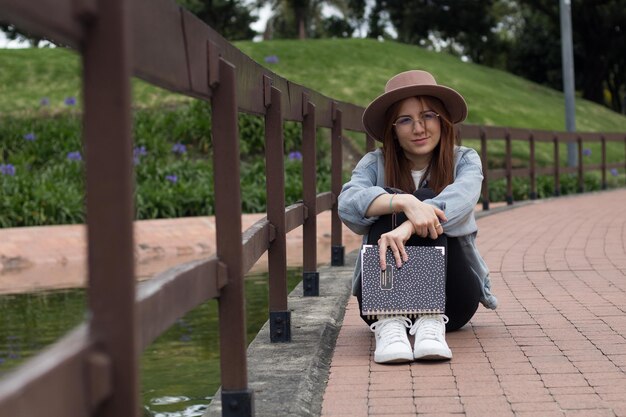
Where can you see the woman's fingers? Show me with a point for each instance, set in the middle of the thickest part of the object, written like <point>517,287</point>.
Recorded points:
<point>440,214</point>
<point>397,249</point>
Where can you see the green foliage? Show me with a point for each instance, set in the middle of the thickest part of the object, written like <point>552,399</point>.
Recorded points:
<point>545,186</point>
<point>48,188</point>
<point>230,18</point>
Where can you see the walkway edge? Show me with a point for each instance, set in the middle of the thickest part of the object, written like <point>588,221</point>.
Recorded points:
<point>290,378</point>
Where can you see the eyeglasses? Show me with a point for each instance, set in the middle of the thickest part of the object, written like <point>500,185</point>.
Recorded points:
<point>406,123</point>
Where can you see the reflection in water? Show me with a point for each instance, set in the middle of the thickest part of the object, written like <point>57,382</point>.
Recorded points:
<point>179,371</point>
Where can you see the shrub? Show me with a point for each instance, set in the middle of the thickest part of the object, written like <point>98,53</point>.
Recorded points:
<point>42,154</point>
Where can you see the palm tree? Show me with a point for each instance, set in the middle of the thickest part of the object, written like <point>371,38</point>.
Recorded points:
<point>296,18</point>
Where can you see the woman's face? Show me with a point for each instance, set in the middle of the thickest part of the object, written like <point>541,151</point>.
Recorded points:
<point>421,135</point>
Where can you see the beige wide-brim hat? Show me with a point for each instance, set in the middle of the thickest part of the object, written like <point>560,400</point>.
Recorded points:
<point>411,84</point>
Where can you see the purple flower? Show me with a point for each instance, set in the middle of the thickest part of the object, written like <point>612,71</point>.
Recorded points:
<point>74,156</point>
<point>295,156</point>
<point>70,101</point>
<point>172,178</point>
<point>179,148</point>
<point>44,101</point>
<point>272,59</point>
<point>614,172</point>
<point>586,151</point>
<point>140,151</point>
<point>7,169</point>
<point>30,136</point>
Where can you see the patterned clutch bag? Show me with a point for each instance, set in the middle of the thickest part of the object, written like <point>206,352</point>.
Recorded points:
<point>418,287</point>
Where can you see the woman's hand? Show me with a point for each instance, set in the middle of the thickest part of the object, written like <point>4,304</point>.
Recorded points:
<point>395,240</point>
<point>426,219</point>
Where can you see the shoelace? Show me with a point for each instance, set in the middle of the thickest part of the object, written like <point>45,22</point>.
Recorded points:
<point>430,326</point>
<point>390,333</point>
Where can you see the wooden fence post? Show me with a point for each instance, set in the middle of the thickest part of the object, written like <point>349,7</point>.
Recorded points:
<point>370,143</point>
<point>483,157</point>
<point>581,169</point>
<point>509,169</point>
<point>280,316</point>
<point>338,250</point>
<point>533,167</point>
<point>110,213</point>
<point>310,275</point>
<point>603,143</point>
<point>557,180</point>
<point>237,399</point>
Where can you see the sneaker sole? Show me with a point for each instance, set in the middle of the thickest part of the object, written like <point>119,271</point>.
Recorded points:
<point>433,356</point>
<point>393,359</point>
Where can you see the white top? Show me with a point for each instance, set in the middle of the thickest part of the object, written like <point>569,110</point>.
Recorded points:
<point>417,176</point>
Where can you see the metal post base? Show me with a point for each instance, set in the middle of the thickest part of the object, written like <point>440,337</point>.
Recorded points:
<point>509,200</point>
<point>310,284</point>
<point>486,205</point>
<point>557,193</point>
<point>280,326</point>
<point>533,196</point>
<point>604,186</point>
<point>337,256</point>
<point>238,403</point>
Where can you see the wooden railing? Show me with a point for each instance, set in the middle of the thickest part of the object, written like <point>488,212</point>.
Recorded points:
<point>93,371</point>
<point>488,134</point>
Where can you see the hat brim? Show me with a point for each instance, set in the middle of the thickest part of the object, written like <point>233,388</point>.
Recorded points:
<point>374,116</point>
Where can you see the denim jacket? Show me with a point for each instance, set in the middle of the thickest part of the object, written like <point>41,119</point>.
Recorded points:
<point>457,201</point>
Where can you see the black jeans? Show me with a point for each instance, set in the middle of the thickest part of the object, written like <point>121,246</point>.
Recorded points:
<point>462,287</point>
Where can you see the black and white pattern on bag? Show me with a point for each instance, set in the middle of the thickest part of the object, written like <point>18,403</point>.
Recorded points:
<point>418,287</point>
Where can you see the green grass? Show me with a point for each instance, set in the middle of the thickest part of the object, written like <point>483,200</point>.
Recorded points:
<point>29,75</point>
<point>356,70</point>
<point>353,70</point>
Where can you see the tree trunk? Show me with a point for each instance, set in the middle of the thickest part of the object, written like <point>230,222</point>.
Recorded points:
<point>301,28</point>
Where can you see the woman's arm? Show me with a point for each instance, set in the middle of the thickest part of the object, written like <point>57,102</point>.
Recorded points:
<point>459,199</point>
<point>358,194</point>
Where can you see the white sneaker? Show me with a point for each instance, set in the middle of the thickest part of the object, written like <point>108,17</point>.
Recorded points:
<point>392,342</point>
<point>430,337</point>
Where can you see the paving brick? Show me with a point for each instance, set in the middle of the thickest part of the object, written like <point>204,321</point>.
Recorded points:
<point>536,406</point>
<point>564,380</point>
<point>590,413</point>
<point>392,409</point>
<point>579,401</point>
<point>438,405</point>
<point>406,392</point>
<point>552,348</point>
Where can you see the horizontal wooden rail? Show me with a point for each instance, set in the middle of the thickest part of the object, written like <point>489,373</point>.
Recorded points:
<point>171,294</point>
<point>325,202</point>
<point>69,378</point>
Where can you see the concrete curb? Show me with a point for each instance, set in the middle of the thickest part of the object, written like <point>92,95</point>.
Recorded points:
<point>289,379</point>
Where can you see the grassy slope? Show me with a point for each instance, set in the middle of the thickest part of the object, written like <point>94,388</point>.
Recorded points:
<point>357,69</point>
<point>28,75</point>
<point>351,70</point>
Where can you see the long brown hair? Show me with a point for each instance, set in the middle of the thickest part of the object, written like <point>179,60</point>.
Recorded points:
<point>441,165</point>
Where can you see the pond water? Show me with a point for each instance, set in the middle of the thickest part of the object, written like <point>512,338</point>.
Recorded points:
<point>179,371</point>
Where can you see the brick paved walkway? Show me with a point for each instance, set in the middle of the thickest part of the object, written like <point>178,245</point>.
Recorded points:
<point>556,346</point>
